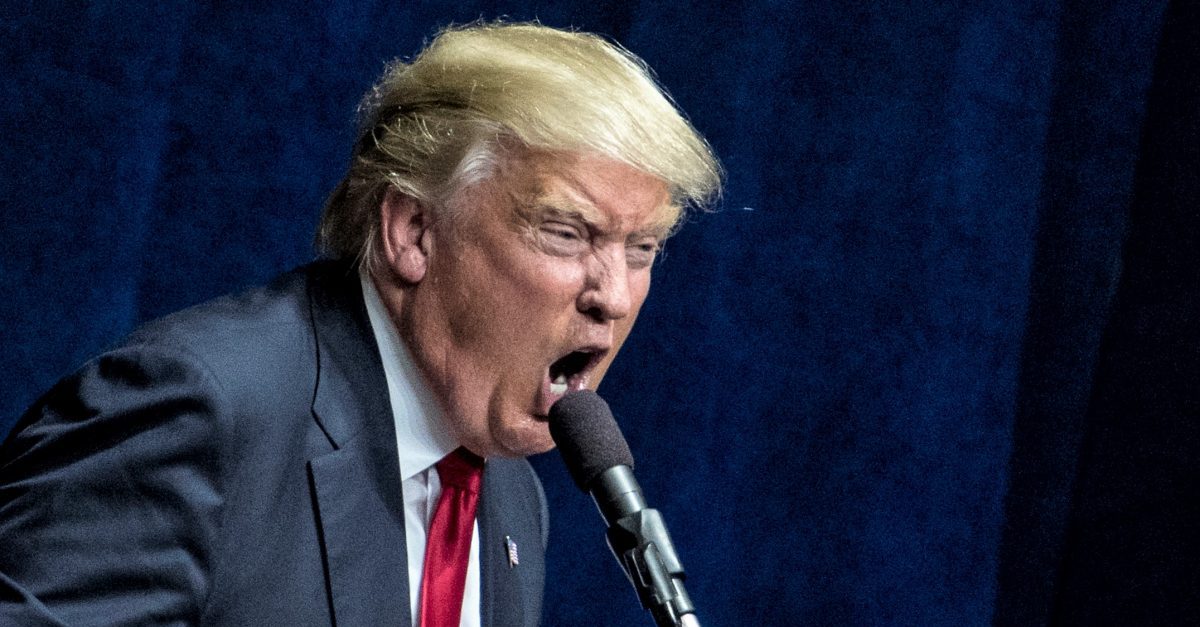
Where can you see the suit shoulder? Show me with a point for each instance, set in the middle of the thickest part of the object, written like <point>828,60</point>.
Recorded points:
<point>252,337</point>
<point>252,315</point>
<point>259,345</point>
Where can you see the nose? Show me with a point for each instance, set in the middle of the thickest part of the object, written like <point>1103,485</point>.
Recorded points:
<point>605,294</point>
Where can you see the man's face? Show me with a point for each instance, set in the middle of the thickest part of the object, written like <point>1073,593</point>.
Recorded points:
<point>531,287</point>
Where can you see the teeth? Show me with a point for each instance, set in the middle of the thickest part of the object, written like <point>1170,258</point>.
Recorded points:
<point>559,385</point>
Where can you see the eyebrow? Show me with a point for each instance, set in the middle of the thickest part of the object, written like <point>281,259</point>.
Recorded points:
<point>556,205</point>
<point>565,209</point>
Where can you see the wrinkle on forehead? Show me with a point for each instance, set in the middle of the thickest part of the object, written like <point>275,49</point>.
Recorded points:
<point>564,183</point>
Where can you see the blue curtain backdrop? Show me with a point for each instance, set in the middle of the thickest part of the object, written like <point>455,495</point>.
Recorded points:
<point>887,382</point>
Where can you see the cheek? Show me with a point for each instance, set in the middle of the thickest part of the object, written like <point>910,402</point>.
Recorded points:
<point>639,288</point>
<point>621,329</point>
<point>516,267</point>
<point>491,285</point>
<point>620,332</point>
<point>507,307</point>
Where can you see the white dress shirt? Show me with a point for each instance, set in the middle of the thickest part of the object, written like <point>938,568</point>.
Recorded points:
<point>422,439</point>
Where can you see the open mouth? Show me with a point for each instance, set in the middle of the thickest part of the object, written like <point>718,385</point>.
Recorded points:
<point>570,372</point>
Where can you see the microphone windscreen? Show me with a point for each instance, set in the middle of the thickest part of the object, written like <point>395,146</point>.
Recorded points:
<point>587,436</point>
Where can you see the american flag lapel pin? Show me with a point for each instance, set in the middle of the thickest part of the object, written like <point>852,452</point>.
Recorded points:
<point>511,548</point>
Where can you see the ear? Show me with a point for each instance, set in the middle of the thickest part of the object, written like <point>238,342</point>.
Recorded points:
<point>405,224</point>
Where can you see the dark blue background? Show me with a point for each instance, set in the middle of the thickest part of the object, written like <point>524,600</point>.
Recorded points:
<point>859,391</point>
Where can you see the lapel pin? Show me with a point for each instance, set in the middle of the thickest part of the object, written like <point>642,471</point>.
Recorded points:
<point>511,549</point>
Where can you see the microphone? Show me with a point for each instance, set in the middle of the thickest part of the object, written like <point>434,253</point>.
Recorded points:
<point>599,461</point>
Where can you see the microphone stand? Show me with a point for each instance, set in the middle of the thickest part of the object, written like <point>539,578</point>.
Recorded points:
<point>639,540</point>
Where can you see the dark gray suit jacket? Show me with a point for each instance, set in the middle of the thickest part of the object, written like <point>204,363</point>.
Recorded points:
<point>235,464</point>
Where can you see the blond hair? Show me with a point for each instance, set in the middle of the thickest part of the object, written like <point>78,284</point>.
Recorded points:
<point>433,126</point>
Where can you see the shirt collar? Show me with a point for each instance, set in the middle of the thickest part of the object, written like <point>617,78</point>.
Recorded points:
<point>422,434</point>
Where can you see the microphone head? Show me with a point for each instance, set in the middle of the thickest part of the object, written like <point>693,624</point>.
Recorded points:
<point>587,436</point>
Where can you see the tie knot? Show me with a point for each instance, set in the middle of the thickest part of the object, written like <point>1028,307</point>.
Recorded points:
<point>461,469</point>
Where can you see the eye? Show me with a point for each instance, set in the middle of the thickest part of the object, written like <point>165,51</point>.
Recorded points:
<point>562,238</point>
<point>641,254</point>
<point>562,230</point>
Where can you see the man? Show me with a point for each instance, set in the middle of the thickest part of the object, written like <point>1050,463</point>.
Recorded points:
<point>291,455</point>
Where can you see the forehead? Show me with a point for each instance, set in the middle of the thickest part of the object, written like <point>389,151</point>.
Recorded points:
<point>601,191</point>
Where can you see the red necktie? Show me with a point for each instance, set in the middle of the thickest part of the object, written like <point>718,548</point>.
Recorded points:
<point>448,545</point>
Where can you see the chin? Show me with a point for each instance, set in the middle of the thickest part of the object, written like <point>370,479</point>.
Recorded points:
<point>522,437</point>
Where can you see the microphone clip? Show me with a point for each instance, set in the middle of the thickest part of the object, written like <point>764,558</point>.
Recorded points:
<point>643,547</point>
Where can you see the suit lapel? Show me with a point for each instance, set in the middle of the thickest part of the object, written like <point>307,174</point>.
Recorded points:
<point>363,541</point>
<point>500,586</point>
<point>511,509</point>
<point>356,487</point>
